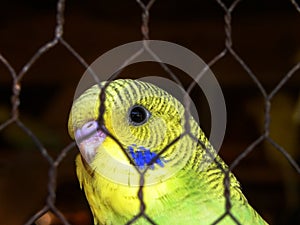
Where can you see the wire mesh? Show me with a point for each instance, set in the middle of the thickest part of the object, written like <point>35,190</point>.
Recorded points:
<point>17,79</point>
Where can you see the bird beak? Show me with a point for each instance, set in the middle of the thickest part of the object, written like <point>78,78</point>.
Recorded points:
<point>88,139</point>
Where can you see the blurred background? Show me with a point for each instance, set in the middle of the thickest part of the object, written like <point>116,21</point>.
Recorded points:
<point>265,34</point>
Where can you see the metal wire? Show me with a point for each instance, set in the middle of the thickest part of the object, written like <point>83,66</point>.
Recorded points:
<point>59,39</point>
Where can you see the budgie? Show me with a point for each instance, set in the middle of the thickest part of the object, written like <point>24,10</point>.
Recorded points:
<point>182,185</point>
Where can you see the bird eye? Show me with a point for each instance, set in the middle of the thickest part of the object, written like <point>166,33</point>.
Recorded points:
<point>138,115</point>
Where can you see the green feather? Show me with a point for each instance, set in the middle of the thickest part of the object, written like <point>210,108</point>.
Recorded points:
<point>189,189</point>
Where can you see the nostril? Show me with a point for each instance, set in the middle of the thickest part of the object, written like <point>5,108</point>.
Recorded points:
<point>92,125</point>
<point>87,130</point>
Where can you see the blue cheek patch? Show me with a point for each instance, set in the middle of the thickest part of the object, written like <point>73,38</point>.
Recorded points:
<point>142,157</point>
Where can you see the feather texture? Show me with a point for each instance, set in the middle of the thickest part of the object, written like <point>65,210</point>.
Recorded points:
<point>186,188</point>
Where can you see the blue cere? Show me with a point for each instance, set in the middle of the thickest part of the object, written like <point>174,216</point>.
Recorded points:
<point>142,157</point>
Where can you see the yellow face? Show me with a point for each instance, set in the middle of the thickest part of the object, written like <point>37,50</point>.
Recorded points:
<point>141,117</point>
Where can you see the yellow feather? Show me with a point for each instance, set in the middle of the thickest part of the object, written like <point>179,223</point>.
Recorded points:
<point>190,185</point>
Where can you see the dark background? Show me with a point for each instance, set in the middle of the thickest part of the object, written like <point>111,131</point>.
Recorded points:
<point>265,35</point>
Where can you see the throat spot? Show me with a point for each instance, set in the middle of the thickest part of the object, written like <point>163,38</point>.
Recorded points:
<point>144,157</point>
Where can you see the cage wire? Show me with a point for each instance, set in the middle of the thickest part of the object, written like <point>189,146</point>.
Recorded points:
<point>58,39</point>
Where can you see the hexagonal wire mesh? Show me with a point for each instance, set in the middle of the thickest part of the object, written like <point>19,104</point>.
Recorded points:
<point>17,78</point>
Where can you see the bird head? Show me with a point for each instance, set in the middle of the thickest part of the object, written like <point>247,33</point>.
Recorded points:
<point>142,117</point>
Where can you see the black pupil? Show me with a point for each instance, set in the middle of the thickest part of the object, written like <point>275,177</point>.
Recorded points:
<point>138,115</point>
